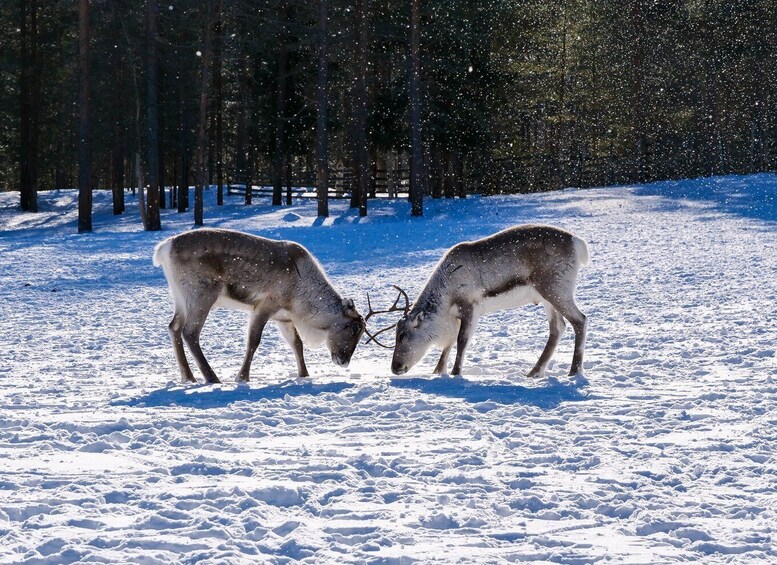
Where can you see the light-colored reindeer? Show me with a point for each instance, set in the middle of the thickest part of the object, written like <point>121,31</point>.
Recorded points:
<point>274,280</point>
<point>521,265</point>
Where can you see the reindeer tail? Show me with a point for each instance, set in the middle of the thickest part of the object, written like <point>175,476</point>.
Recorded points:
<point>581,251</point>
<point>162,252</point>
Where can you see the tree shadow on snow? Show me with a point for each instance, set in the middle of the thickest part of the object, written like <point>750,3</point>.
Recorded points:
<point>549,395</point>
<point>210,396</point>
<point>750,196</point>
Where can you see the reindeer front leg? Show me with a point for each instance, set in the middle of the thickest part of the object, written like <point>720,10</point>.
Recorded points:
<point>465,333</point>
<point>259,319</point>
<point>290,334</point>
<point>442,364</point>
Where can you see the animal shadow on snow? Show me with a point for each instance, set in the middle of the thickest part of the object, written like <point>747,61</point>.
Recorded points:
<point>549,395</point>
<point>208,396</point>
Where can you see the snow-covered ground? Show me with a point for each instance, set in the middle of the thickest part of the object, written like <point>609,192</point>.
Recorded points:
<point>666,454</point>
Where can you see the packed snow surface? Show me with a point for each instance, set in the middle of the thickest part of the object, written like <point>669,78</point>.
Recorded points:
<point>666,453</point>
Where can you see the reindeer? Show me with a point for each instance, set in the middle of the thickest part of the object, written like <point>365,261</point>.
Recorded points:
<point>517,266</point>
<point>274,280</point>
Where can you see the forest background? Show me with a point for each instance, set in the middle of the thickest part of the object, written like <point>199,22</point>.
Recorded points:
<point>358,99</point>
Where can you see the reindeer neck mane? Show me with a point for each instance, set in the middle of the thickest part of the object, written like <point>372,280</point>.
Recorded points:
<point>316,293</point>
<point>440,290</point>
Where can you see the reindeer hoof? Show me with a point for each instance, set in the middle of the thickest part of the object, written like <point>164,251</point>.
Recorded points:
<point>578,378</point>
<point>536,375</point>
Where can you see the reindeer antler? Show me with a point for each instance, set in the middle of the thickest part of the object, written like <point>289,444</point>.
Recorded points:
<point>393,308</point>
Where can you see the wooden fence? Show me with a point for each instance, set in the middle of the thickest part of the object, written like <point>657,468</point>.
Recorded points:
<point>340,184</point>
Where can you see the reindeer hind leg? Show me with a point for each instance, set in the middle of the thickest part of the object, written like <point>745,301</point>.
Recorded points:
<point>559,290</point>
<point>175,328</point>
<point>579,322</point>
<point>557,326</point>
<point>580,325</point>
<point>192,328</point>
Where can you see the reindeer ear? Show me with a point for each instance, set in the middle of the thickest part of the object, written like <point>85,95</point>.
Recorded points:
<point>349,307</point>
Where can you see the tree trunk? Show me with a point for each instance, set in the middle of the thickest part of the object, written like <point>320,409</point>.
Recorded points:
<point>118,130</point>
<point>458,164</point>
<point>59,177</point>
<point>217,85</point>
<point>562,139</point>
<point>448,183</point>
<point>161,161</point>
<point>85,126</point>
<point>322,138</point>
<point>117,172</point>
<point>24,107</point>
<point>280,111</point>
<point>35,106</point>
<point>253,171</point>
<point>714,149</point>
<point>288,179</point>
<point>638,125</point>
<point>210,161</point>
<point>174,182</point>
<point>201,137</point>
<point>141,189</point>
<point>772,165</point>
<point>438,168</point>
<point>135,169</point>
<point>249,165</point>
<point>373,177</point>
<point>414,89</point>
<point>183,180</point>
<point>240,137</point>
<point>361,153</point>
<point>153,220</point>
<point>391,188</point>
<point>29,106</point>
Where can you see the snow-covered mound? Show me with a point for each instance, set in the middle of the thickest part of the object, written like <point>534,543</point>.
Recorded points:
<point>666,454</point>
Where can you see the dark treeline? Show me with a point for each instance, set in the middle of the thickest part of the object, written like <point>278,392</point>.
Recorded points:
<point>498,96</point>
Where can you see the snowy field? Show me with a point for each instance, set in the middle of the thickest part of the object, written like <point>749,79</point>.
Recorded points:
<point>666,454</point>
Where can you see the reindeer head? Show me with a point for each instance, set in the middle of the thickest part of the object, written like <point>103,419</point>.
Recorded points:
<point>345,333</point>
<point>411,335</point>
<point>413,340</point>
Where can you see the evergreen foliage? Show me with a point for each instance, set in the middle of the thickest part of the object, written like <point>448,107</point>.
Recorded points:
<point>516,95</point>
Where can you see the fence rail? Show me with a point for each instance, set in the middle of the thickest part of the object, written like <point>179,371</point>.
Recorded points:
<point>529,173</point>
<point>340,185</point>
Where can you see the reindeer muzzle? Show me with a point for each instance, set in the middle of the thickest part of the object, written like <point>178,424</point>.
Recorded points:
<point>340,361</point>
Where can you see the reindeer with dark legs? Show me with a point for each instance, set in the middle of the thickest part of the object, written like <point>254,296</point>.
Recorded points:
<point>273,280</point>
<point>520,265</point>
